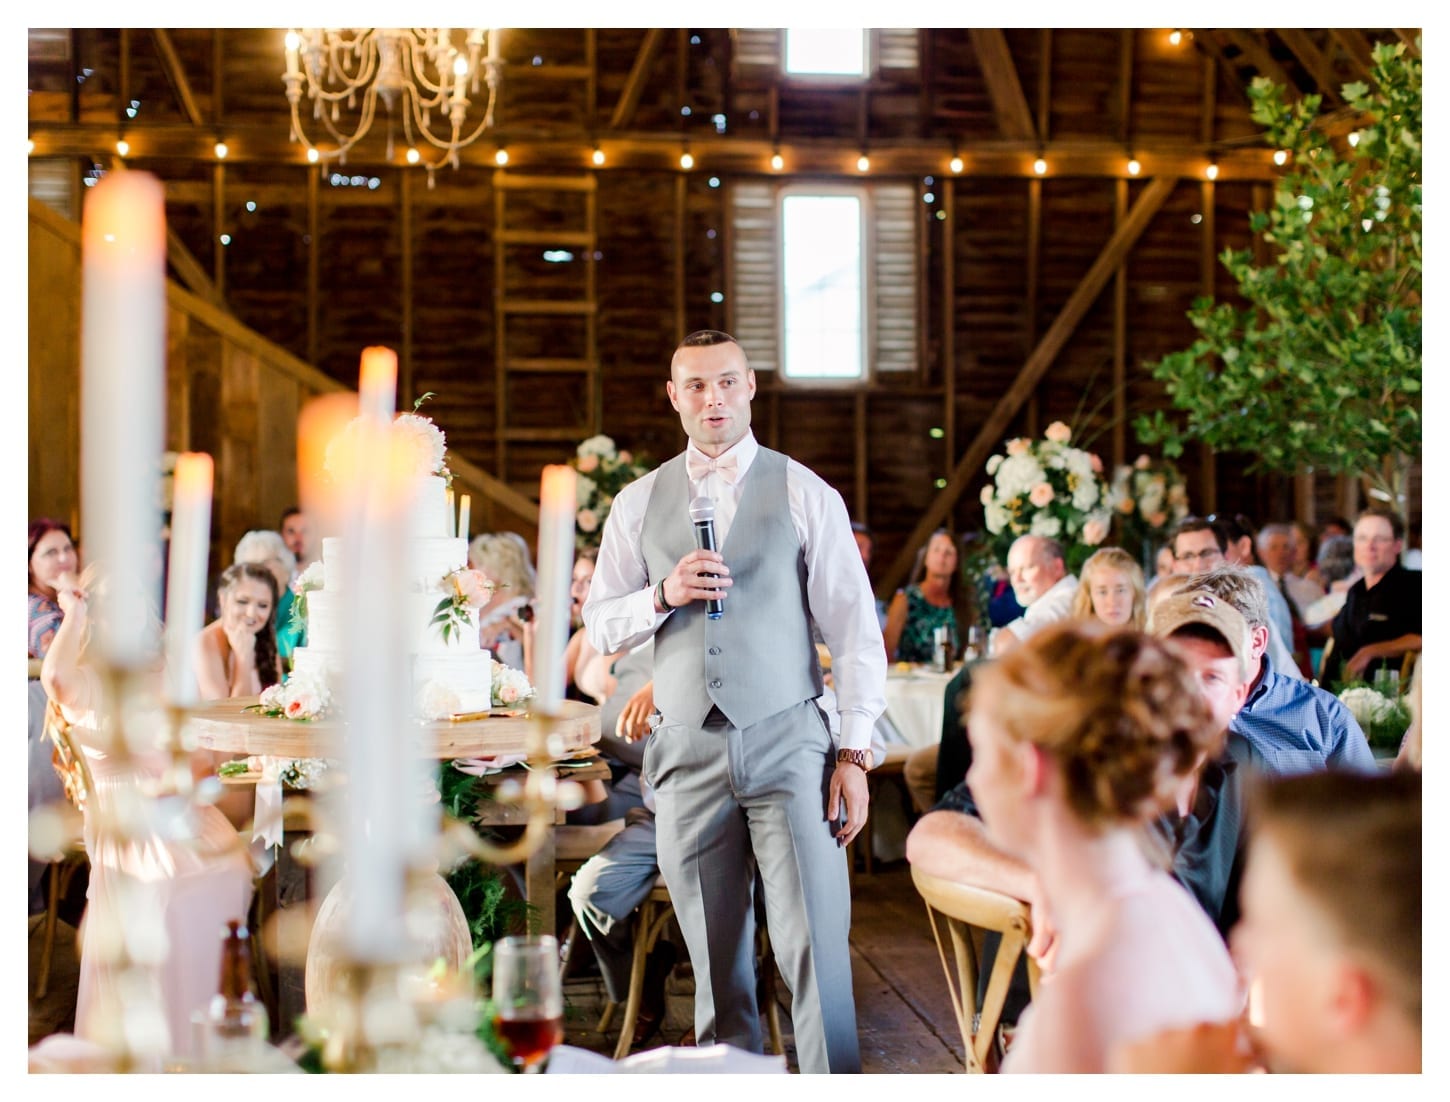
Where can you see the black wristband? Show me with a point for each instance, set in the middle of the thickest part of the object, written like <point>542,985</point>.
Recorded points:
<point>660,597</point>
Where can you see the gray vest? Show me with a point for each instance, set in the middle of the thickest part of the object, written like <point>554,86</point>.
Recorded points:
<point>757,659</point>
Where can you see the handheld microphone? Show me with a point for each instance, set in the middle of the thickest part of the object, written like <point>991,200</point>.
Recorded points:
<point>702,516</point>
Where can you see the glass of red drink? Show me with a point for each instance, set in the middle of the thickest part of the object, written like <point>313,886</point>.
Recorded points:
<point>528,1004</point>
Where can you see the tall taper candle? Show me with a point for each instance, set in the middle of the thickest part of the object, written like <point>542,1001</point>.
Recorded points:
<point>556,565</point>
<point>123,363</point>
<point>186,572</point>
<point>377,383</point>
<point>452,516</point>
<point>463,507</point>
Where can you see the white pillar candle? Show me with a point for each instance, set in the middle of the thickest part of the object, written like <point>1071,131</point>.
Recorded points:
<point>123,363</point>
<point>452,517</point>
<point>556,565</point>
<point>493,50</point>
<point>378,383</point>
<point>463,509</point>
<point>186,572</point>
<point>381,802</point>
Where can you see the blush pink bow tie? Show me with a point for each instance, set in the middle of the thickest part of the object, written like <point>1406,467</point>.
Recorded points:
<point>698,466</point>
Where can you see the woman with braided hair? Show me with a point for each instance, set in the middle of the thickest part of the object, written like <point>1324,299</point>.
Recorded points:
<point>236,654</point>
<point>1079,737</point>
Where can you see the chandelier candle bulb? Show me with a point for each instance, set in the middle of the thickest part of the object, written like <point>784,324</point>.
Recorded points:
<point>123,359</point>
<point>186,572</point>
<point>557,503</point>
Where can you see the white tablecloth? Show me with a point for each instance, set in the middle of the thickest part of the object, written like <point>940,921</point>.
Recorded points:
<point>915,702</point>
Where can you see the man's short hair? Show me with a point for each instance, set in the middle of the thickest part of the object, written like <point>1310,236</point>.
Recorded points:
<point>1397,526</point>
<point>1336,558</point>
<point>704,338</point>
<point>1278,528</point>
<point>290,511</point>
<point>1195,524</point>
<point>1235,586</point>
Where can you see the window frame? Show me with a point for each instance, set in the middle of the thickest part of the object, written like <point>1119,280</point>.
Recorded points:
<point>847,80</point>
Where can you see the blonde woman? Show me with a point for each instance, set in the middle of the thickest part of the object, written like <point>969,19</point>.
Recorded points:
<point>503,558</point>
<point>1110,588</point>
<point>1079,737</point>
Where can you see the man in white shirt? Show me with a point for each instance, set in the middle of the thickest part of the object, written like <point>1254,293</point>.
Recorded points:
<point>1042,586</point>
<point>742,763</point>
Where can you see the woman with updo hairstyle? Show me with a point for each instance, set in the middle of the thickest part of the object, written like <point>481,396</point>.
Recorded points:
<point>503,558</point>
<point>1079,737</point>
<point>236,654</point>
<point>1110,588</point>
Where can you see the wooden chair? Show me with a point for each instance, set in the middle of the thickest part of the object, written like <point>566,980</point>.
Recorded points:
<point>654,916</point>
<point>573,846</point>
<point>958,914</point>
<point>75,775</point>
<point>1407,669</point>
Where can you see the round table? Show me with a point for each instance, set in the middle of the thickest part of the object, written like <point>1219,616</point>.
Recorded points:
<point>226,725</point>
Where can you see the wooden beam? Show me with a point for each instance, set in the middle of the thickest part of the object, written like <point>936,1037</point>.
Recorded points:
<point>406,389</point>
<point>1209,44</point>
<point>1355,47</point>
<point>634,84</point>
<point>176,75</point>
<point>1044,84</point>
<point>219,227</point>
<point>314,265</point>
<point>1073,311</point>
<point>191,271</point>
<point>1014,117</point>
<point>1120,338</point>
<point>948,319</point>
<point>1257,55</point>
<point>1309,55</point>
<point>1127,40</point>
<point>1034,279</point>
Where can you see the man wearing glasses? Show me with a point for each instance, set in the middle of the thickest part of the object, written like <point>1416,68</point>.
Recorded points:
<point>1381,617</point>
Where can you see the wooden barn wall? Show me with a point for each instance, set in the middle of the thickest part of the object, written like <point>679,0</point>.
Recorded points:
<point>395,258</point>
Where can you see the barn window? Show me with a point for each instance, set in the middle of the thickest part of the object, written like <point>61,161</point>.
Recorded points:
<point>824,52</point>
<point>824,278</point>
<point>822,281</point>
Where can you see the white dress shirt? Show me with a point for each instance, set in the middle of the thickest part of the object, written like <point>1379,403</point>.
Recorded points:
<point>620,612</point>
<point>1054,605</point>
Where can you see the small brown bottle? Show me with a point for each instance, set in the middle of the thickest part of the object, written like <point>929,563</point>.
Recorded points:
<point>236,1018</point>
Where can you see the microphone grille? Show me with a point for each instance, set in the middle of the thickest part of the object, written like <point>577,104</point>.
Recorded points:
<point>702,509</point>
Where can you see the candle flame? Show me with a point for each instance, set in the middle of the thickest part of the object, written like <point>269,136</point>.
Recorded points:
<point>193,476</point>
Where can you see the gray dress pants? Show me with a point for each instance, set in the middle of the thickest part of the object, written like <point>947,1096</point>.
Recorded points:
<point>729,802</point>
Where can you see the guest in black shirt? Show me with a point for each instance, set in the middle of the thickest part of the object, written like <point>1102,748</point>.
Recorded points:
<point>1380,620</point>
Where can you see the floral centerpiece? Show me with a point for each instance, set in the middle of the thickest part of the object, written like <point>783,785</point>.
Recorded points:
<point>1047,488</point>
<point>603,472</point>
<point>302,697</point>
<point>1383,719</point>
<point>421,440</point>
<point>1148,499</point>
<point>509,687</point>
<point>463,591</point>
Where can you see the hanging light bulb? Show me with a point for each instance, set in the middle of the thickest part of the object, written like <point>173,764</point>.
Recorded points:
<point>686,161</point>
<point>1039,166</point>
<point>1175,37</point>
<point>1134,167</point>
<point>501,158</point>
<point>1353,138</point>
<point>1211,172</point>
<point>123,147</point>
<point>777,162</point>
<point>1280,156</point>
<point>312,155</point>
<point>956,164</point>
<point>221,151</point>
<point>413,155</point>
<point>597,156</point>
<point>863,163</point>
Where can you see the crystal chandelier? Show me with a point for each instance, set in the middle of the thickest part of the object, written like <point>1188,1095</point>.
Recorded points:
<point>418,66</point>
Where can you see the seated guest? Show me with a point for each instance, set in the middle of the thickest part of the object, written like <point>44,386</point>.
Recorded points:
<point>1277,544</point>
<point>929,601</point>
<point>865,543</point>
<point>1080,736</point>
<point>1237,533</point>
<point>1200,544</point>
<point>183,888</point>
<point>1163,563</point>
<point>1330,937</point>
<point>52,560</point>
<point>1042,585</point>
<point>1336,566</point>
<point>1110,588</point>
<point>1296,726</point>
<point>267,548</point>
<point>1306,553</point>
<point>236,654</point>
<point>503,558</point>
<point>1381,617</point>
<point>297,535</point>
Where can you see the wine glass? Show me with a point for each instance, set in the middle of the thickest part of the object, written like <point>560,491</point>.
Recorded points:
<point>528,1004</point>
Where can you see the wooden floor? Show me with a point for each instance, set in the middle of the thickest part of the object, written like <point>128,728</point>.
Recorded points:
<point>902,1011</point>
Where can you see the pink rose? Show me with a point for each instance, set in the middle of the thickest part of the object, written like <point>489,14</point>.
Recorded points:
<point>1142,462</point>
<point>587,520</point>
<point>588,463</point>
<point>1058,433</point>
<point>626,458</point>
<point>1018,446</point>
<point>508,694</point>
<point>1096,462</point>
<point>294,709</point>
<point>1094,532</point>
<point>1041,494</point>
<point>1125,506</point>
<point>472,587</point>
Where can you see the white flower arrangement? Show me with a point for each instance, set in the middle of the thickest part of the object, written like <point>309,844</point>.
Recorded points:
<point>436,700</point>
<point>603,472</point>
<point>1046,488</point>
<point>510,686</point>
<point>463,591</point>
<point>1148,498</point>
<point>295,773</point>
<point>301,697</point>
<point>417,436</point>
<point>1369,706</point>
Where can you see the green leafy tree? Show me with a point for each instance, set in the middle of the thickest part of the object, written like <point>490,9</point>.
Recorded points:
<point>1322,368</point>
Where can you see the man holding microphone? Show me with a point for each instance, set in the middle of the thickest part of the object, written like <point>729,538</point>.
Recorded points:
<point>743,765</point>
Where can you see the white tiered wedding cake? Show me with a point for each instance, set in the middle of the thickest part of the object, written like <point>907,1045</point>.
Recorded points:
<point>450,671</point>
